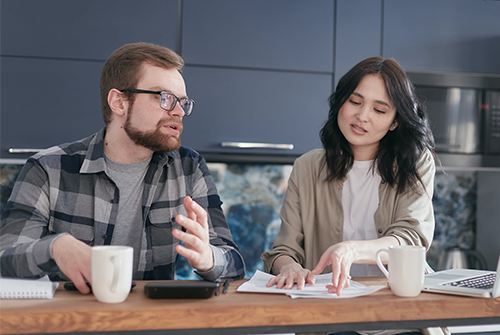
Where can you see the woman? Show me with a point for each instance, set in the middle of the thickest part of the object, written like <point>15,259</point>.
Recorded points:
<point>369,188</point>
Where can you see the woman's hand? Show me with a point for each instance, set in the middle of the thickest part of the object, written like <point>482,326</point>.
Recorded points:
<point>340,256</point>
<point>291,273</point>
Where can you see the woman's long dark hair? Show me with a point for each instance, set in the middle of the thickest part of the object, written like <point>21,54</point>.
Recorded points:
<point>399,150</point>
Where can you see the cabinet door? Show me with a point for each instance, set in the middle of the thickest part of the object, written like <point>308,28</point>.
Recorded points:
<point>90,29</point>
<point>278,34</point>
<point>448,35</point>
<point>357,33</point>
<point>488,211</point>
<point>48,102</point>
<point>255,106</point>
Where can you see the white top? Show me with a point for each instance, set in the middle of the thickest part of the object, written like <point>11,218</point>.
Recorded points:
<point>360,201</point>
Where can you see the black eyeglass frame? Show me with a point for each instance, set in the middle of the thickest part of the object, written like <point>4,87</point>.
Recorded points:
<point>178,100</point>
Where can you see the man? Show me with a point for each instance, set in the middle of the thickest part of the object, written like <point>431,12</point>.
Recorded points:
<point>129,184</point>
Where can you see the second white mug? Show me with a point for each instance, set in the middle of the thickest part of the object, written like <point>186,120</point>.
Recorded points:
<point>406,269</point>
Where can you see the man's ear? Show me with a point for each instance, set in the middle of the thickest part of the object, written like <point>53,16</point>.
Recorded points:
<point>117,102</point>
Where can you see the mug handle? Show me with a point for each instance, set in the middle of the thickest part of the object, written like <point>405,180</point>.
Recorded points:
<point>117,264</point>
<point>379,262</point>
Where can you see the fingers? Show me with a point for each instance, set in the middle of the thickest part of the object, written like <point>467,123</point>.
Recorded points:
<point>80,284</point>
<point>74,259</point>
<point>285,282</point>
<point>336,272</point>
<point>288,279</point>
<point>323,262</point>
<point>194,234</point>
<point>311,278</point>
<point>340,276</point>
<point>192,255</point>
<point>196,238</point>
<point>195,212</point>
<point>340,257</point>
<point>301,281</point>
<point>339,288</point>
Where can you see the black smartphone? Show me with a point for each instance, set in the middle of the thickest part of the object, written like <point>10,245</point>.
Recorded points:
<point>189,289</point>
<point>71,287</point>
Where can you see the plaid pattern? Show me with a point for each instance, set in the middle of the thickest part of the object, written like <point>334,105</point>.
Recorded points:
<point>65,190</point>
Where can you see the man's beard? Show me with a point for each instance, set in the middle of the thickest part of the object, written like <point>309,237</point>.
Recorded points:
<point>154,140</point>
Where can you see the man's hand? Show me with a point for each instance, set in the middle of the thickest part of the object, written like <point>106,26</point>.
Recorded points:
<point>196,239</point>
<point>74,259</point>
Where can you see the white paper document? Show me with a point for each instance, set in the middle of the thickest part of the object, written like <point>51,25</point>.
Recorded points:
<point>259,280</point>
<point>43,288</point>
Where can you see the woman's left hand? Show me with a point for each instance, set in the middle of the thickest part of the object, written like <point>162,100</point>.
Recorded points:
<point>340,256</point>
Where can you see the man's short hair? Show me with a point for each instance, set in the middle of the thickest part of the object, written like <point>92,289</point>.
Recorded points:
<point>123,69</point>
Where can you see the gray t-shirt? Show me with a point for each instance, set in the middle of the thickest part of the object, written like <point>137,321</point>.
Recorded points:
<point>129,178</point>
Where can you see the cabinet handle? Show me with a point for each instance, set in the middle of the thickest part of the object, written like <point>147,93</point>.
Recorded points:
<point>251,145</point>
<point>23,151</point>
<point>446,146</point>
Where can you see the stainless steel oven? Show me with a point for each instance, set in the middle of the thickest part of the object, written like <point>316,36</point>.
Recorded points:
<point>464,111</point>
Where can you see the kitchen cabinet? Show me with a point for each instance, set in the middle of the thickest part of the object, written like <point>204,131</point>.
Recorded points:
<point>259,71</point>
<point>488,214</point>
<point>90,29</point>
<point>444,35</point>
<point>292,35</point>
<point>47,102</point>
<point>52,53</point>
<point>237,105</point>
<point>357,33</point>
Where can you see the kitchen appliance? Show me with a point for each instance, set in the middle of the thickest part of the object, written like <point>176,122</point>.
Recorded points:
<point>458,258</point>
<point>464,113</point>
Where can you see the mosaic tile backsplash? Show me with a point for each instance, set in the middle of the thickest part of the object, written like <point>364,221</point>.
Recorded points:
<point>253,194</point>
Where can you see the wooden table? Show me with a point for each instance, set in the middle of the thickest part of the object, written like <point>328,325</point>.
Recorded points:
<point>243,313</point>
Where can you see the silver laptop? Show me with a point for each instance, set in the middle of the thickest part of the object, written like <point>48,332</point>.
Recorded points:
<point>473,283</point>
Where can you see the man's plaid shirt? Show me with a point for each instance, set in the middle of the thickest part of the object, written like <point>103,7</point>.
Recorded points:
<point>65,190</point>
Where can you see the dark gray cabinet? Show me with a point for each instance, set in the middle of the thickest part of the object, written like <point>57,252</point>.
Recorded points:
<point>444,35</point>
<point>357,33</point>
<point>260,71</point>
<point>52,53</point>
<point>46,102</point>
<point>277,34</point>
<point>236,105</point>
<point>90,29</point>
<point>488,212</point>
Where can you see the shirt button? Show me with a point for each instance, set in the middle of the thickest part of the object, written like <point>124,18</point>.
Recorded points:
<point>104,236</point>
<point>380,231</point>
<point>172,219</point>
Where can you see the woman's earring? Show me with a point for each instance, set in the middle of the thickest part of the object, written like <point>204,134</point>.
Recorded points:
<point>392,128</point>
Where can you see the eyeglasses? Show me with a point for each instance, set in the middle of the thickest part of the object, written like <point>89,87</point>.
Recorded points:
<point>168,100</point>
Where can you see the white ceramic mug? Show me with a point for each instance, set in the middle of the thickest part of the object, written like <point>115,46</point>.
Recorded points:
<point>406,269</point>
<point>112,272</point>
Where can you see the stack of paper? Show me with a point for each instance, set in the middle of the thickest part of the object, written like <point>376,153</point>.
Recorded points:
<point>42,288</point>
<point>259,280</point>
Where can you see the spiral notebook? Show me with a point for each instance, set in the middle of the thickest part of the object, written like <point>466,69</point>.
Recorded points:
<point>42,288</point>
